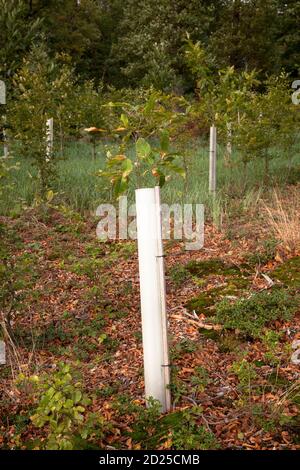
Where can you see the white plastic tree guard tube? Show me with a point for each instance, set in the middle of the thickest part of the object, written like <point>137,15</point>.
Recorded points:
<point>2,92</point>
<point>213,160</point>
<point>49,137</point>
<point>153,296</point>
<point>2,353</point>
<point>5,146</point>
<point>229,140</point>
<point>3,101</point>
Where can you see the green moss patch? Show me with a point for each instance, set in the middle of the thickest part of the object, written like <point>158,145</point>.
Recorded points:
<point>213,266</point>
<point>205,302</point>
<point>288,273</point>
<point>234,286</point>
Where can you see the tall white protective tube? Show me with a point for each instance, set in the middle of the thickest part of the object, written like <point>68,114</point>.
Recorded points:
<point>49,137</point>
<point>213,160</point>
<point>3,101</point>
<point>153,296</point>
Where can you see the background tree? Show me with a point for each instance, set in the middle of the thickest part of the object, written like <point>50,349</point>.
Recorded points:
<point>268,124</point>
<point>245,36</point>
<point>99,57</point>
<point>150,40</point>
<point>17,33</point>
<point>288,36</point>
<point>40,85</point>
<point>71,29</point>
<point>133,43</point>
<point>261,115</point>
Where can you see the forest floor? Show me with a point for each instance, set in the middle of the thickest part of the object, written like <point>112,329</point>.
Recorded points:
<point>232,385</point>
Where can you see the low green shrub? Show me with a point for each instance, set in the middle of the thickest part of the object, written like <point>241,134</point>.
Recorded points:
<point>179,430</point>
<point>250,316</point>
<point>62,410</point>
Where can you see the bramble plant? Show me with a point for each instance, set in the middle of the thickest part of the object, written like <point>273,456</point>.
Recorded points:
<point>62,410</point>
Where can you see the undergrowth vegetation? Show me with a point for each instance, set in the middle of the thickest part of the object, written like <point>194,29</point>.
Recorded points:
<point>68,325</point>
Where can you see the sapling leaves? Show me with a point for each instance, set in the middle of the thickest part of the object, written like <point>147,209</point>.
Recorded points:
<point>143,148</point>
<point>148,127</point>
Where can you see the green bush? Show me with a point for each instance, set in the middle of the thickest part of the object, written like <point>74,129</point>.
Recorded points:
<point>62,410</point>
<point>251,315</point>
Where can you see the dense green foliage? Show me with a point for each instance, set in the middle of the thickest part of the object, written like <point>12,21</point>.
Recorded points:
<point>62,409</point>
<point>129,43</point>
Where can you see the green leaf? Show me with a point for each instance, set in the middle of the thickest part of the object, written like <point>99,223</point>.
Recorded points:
<point>143,148</point>
<point>50,392</point>
<point>78,396</point>
<point>84,433</point>
<point>80,408</point>
<point>170,166</point>
<point>116,160</point>
<point>127,168</point>
<point>69,403</point>
<point>165,141</point>
<point>177,169</point>
<point>49,195</point>
<point>150,104</point>
<point>120,186</point>
<point>66,445</point>
<point>124,120</point>
<point>102,337</point>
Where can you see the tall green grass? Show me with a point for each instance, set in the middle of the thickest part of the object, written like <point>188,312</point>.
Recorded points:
<point>78,186</point>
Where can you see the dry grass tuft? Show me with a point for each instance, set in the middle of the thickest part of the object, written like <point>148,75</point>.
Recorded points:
<point>283,216</point>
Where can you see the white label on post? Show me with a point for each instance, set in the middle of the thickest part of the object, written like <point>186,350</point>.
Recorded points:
<point>152,288</point>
